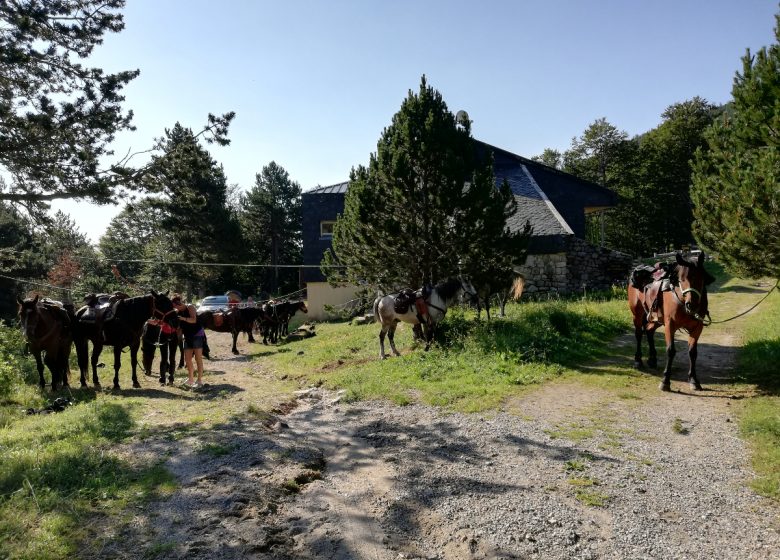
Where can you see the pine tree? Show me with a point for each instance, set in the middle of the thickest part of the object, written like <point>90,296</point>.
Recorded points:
<point>194,210</point>
<point>271,224</point>
<point>425,207</point>
<point>736,180</point>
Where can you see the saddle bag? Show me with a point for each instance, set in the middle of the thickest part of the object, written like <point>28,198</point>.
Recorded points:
<point>404,300</point>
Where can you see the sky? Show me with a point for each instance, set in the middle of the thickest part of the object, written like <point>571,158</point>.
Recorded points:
<point>314,83</point>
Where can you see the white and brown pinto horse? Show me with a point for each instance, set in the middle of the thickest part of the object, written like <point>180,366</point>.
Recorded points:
<point>441,296</point>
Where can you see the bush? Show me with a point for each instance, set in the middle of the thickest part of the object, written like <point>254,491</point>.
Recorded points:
<point>15,368</point>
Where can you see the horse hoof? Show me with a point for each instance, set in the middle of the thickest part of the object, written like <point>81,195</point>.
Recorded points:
<point>117,387</point>
<point>84,385</point>
<point>638,364</point>
<point>98,386</point>
<point>235,352</point>
<point>136,385</point>
<point>696,387</point>
<point>665,386</point>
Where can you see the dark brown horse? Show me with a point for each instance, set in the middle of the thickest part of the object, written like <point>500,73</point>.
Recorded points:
<point>163,333</point>
<point>124,329</point>
<point>47,328</point>
<point>682,306</point>
<point>234,321</point>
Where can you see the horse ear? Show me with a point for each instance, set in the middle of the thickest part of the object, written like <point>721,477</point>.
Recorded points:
<point>21,302</point>
<point>167,292</point>
<point>36,299</point>
<point>700,260</point>
<point>681,261</point>
<point>153,292</point>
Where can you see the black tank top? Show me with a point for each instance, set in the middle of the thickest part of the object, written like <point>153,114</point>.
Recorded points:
<point>189,330</point>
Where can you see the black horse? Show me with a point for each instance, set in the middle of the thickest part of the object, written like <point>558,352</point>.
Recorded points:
<point>124,329</point>
<point>165,334</point>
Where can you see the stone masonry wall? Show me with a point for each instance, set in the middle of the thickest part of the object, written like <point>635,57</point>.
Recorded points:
<point>581,266</point>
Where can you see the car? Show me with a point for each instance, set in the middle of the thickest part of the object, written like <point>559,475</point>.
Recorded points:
<point>213,303</point>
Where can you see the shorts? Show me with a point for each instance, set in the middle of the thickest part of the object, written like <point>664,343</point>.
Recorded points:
<point>194,343</point>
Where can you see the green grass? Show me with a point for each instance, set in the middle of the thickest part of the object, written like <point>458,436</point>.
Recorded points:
<point>58,470</point>
<point>759,418</point>
<point>474,367</point>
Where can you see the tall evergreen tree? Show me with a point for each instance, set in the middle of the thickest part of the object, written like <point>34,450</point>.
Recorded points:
<point>271,225</point>
<point>193,203</point>
<point>59,117</point>
<point>425,207</point>
<point>736,192</point>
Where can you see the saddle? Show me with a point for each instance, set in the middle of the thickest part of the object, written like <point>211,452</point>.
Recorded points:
<point>404,300</point>
<point>653,281</point>
<point>100,307</point>
<point>407,297</point>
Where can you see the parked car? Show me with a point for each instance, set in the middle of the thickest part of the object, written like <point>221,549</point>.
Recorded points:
<point>213,303</point>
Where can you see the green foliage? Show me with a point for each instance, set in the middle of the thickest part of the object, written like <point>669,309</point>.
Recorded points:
<point>193,204</point>
<point>735,183</point>
<point>475,365</point>
<point>14,369</point>
<point>270,216</point>
<point>425,208</point>
<point>759,419</point>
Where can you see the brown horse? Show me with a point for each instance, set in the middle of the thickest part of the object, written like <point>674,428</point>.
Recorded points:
<point>683,306</point>
<point>47,328</point>
<point>234,321</point>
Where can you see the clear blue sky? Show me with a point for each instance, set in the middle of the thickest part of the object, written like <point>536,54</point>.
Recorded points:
<point>313,83</point>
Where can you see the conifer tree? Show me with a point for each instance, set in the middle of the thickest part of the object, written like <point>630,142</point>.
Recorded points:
<point>271,224</point>
<point>425,208</point>
<point>736,181</point>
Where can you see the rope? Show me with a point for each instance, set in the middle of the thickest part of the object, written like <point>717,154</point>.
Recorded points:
<point>35,283</point>
<point>749,310</point>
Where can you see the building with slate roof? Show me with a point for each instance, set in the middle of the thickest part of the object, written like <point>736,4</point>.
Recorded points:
<point>555,203</point>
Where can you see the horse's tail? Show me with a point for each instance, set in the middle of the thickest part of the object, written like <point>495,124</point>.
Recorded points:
<point>517,288</point>
<point>376,310</point>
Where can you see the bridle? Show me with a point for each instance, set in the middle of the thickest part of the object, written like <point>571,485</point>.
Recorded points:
<point>702,317</point>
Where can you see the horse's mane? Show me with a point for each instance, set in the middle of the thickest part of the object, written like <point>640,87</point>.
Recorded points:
<point>448,288</point>
<point>134,307</point>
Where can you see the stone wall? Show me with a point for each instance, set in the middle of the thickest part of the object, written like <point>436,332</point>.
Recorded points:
<point>582,266</point>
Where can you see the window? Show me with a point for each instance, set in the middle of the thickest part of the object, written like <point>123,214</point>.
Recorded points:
<point>326,230</point>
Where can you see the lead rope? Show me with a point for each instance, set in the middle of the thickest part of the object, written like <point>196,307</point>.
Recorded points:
<point>747,311</point>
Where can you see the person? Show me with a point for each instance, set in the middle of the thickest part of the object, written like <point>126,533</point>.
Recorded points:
<point>194,336</point>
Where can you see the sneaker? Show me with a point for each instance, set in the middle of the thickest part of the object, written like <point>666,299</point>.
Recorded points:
<point>187,385</point>
<point>197,385</point>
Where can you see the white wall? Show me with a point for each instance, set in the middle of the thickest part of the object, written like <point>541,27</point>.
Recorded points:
<point>320,294</point>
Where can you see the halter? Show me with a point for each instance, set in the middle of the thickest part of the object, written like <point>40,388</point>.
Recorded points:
<point>696,315</point>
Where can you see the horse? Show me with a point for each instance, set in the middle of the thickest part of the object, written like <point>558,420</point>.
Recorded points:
<point>440,297</point>
<point>48,330</point>
<point>684,306</point>
<point>268,321</point>
<point>124,329</point>
<point>234,321</point>
<point>283,312</point>
<point>165,334</point>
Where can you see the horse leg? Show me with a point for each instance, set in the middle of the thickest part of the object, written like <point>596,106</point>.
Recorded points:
<point>391,338</point>
<point>82,358</point>
<point>39,365</point>
<point>638,328</point>
<point>235,338</point>
<point>172,346</point>
<point>164,350</point>
<point>134,363</point>
<point>51,362</point>
<point>250,337</point>
<point>97,348</point>
<point>382,333</point>
<point>487,308</point>
<point>666,383</point>
<point>693,351</point>
<point>652,356</point>
<point>117,365</point>
<point>147,357</point>
<point>429,331</point>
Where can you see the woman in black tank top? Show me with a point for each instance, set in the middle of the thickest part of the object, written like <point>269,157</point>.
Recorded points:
<point>193,339</point>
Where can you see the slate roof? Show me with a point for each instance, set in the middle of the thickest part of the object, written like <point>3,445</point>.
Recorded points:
<point>552,200</point>
<point>338,188</point>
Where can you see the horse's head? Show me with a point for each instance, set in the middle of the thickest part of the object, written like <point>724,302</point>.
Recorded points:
<point>301,306</point>
<point>28,316</point>
<point>468,291</point>
<point>164,309</point>
<point>693,280</point>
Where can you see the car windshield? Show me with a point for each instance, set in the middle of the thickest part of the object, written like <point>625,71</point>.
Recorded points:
<point>214,300</point>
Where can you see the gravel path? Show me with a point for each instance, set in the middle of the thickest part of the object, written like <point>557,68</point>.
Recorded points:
<point>567,471</point>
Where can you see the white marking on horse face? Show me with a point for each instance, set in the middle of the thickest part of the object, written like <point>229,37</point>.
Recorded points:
<point>28,321</point>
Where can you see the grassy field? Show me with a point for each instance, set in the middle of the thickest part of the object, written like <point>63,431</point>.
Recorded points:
<point>759,365</point>
<point>476,365</point>
<point>61,477</point>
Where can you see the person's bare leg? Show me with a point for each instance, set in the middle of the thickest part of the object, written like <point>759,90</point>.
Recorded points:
<point>199,362</point>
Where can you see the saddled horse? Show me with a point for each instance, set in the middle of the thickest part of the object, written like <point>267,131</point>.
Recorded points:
<point>124,329</point>
<point>234,321</point>
<point>683,306</point>
<point>275,318</point>
<point>440,297</point>
<point>163,333</point>
<point>49,333</point>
